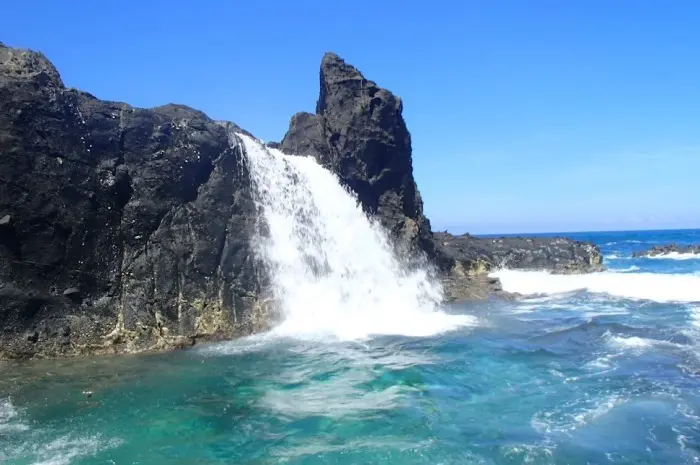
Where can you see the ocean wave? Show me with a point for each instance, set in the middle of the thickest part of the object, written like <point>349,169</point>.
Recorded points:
<point>65,450</point>
<point>574,415</point>
<point>602,364</point>
<point>695,317</point>
<point>615,256</point>
<point>636,286</point>
<point>637,343</point>
<point>675,256</point>
<point>626,270</point>
<point>630,241</point>
<point>693,329</point>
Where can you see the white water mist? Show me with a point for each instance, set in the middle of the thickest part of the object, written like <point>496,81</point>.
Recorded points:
<point>333,270</point>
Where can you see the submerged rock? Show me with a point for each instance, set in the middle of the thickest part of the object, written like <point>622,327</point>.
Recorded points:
<point>667,249</point>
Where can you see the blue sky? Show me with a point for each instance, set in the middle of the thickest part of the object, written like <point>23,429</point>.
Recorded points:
<point>525,116</point>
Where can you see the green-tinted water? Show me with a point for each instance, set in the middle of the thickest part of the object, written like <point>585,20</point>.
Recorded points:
<point>555,385</point>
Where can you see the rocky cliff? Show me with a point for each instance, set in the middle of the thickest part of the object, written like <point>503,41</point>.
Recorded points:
<point>120,228</point>
<point>126,229</point>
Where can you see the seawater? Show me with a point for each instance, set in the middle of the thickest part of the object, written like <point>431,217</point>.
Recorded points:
<point>586,369</point>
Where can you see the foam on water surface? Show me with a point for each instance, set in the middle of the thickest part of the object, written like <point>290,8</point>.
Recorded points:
<point>10,420</point>
<point>675,256</point>
<point>640,286</point>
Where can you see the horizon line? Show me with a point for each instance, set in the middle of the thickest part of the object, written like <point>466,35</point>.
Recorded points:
<point>559,233</point>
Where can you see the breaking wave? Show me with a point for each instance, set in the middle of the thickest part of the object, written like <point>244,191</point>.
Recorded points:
<point>638,286</point>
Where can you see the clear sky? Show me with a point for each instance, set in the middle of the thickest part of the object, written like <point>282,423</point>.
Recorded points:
<point>525,116</point>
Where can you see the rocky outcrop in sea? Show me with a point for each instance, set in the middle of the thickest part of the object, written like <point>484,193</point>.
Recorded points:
<point>125,229</point>
<point>669,249</point>
<point>475,257</point>
<point>359,133</point>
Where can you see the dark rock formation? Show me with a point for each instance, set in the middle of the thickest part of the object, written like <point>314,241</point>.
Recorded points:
<point>557,254</point>
<point>120,228</point>
<point>473,257</point>
<point>668,249</point>
<point>304,137</point>
<point>126,229</point>
<point>358,132</point>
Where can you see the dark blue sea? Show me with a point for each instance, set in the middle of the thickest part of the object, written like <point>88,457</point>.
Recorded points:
<point>588,369</point>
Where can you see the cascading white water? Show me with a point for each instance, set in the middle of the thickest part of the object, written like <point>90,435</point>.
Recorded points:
<point>333,271</point>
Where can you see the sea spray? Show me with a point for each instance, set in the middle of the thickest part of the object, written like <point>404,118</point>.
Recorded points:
<point>333,269</point>
<point>639,286</point>
<point>675,256</point>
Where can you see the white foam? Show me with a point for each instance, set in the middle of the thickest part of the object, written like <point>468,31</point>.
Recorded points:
<point>574,415</point>
<point>637,343</point>
<point>638,286</point>
<point>244,345</point>
<point>632,342</point>
<point>604,363</point>
<point>693,328</point>
<point>9,418</point>
<point>626,270</point>
<point>675,256</point>
<point>602,407</point>
<point>65,450</point>
<point>333,270</point>
<point>695,317</point>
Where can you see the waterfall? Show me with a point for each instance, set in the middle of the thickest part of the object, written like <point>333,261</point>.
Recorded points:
<point>333,270</point>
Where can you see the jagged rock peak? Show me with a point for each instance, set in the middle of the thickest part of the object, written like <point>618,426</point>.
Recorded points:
<point>334,66</point>
<point>337,73</point>
<point>359,133</point>
<point>29,64</point>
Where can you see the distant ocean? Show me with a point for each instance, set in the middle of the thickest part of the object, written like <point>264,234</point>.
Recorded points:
<point>588,369</point>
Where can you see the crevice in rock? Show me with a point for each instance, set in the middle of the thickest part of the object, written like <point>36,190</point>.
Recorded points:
<point>200,176</point>
<point>11,241</point>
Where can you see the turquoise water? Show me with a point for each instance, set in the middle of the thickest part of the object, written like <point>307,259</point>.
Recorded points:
<point>576,377</point>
